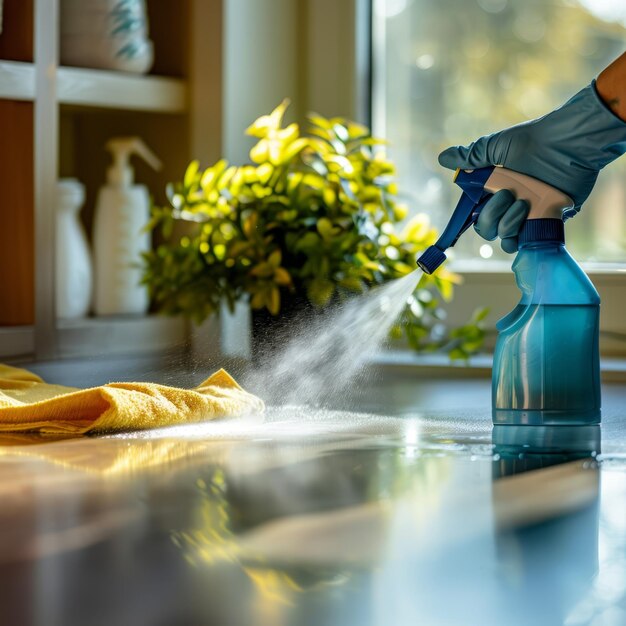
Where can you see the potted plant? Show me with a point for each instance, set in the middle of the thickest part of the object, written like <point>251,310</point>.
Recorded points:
<point>313,218</point>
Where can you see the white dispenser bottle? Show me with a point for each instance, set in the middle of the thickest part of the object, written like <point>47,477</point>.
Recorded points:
<point>73,259</point>
<point>122,211</point>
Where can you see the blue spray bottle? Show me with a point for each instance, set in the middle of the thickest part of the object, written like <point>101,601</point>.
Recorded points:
<point>546,367</point>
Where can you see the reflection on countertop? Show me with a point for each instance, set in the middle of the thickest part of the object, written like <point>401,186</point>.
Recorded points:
<point>318,516</point>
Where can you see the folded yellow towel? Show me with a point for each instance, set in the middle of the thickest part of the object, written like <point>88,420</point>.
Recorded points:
<point>27,403</point>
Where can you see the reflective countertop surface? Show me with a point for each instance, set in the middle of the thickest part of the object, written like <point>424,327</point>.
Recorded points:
<point>390,510</point>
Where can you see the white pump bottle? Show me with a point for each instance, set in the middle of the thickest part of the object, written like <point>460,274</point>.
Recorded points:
<point>122,211</point>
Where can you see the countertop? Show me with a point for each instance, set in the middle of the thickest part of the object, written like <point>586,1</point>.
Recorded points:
<point>391,507</point>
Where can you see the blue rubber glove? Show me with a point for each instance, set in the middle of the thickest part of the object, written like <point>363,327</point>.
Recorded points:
<point>566,149</point>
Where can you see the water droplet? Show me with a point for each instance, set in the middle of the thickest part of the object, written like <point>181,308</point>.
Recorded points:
<point>492,6</point>
<point>486,251</point>
<point>425,61</point>
<point>390,8</point>
<point>529,27</point>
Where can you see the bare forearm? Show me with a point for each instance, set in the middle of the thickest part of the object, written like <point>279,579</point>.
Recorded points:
<point>611,86</point>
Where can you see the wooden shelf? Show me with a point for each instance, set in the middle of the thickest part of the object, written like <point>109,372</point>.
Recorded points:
<point>98,88</point>
<point>17,80</point>
<point>116,90</point>
<point>95,336</point>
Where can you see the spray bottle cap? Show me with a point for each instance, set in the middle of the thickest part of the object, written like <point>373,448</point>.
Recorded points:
<point>542,229</point>
<point>121,173</point>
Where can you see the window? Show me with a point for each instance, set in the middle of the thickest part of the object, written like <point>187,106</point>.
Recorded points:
<point>448,71</point>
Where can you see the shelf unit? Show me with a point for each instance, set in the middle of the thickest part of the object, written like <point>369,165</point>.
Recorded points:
<point>54,121</point>
<point>112,90</point>
<point>17,80</point>
<point>100,335</point>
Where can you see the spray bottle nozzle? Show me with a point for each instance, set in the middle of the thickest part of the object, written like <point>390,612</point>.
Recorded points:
<point>474,197</point>
<point>122,148</point>
<point>547,205</point>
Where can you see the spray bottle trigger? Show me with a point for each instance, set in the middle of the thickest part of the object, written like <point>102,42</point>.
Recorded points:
<point>479,207</point>
<point>472,218</point>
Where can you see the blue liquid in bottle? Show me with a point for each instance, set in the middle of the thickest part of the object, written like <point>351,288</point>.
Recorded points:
<point>546,366</point>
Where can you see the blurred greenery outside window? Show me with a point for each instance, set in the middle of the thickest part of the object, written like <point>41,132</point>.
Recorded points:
<point>448,71</point>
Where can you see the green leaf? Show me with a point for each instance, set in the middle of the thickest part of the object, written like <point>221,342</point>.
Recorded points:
<point>262,270</point>
<point>190,174</point>
<point>287,216</point>
<point>458,354</point>
<point>250,225</point>
<point>210,175</point>
<point>282,277</point>
<point>264,172</point>
<point>226,177</point>
<point>307,242</point>
<point>293,149</point>
<point>320,121</point>
<point>342,163</point>
<point>275,258</point>
<point>237,248</point>
<point>445,289</point>
<point>261,126</point>
<point>396,332</point>
<point>326,229</point>
<point>480,314</point>
<point>258,300</point>
<point>320,291</point>
<point>260,152</point>
<point>330,197</point>
<point>352,284</point>
<point>315,181</point>
<point>342,132</point>
<point>470,347</point>
<point>273,301</point>
<point>403,268</point>
<point>357,131</point>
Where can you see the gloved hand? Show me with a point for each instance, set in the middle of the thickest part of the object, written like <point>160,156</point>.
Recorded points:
<point>566,149</point>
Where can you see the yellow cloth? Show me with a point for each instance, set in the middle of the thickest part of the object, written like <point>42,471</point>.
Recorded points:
<point>27,403</point>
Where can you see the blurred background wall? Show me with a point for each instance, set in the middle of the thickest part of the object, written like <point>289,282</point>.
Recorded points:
<point>304,50</point>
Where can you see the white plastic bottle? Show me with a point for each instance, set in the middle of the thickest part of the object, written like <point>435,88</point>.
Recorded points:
<point>122,211</point>
<point>73,260</point>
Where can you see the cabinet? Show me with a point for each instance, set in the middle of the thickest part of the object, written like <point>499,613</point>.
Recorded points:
<point>54,122</point>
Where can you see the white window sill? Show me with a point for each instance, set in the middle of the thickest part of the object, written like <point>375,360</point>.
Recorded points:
<point>479,366</point>
<point>498,267</point>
